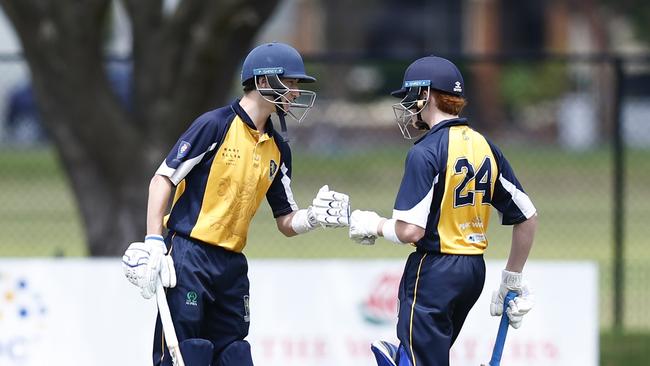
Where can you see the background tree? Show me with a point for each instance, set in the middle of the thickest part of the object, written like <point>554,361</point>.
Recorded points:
<point>637,12</point>
<point>183,64</point>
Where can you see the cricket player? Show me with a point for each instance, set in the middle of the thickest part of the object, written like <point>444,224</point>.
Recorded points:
<point>221,168</point>
<point>453,176</point>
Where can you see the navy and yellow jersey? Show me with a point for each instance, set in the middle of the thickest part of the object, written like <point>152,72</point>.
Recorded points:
<point>452,178</point>
<point>222,168</point>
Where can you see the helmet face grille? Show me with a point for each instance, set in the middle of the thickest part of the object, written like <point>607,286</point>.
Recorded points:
<point>294,102</point>
<point>409,108</point>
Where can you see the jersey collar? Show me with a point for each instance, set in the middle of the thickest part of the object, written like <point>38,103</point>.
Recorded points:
<point>444,124</point>
<point>268,128</point>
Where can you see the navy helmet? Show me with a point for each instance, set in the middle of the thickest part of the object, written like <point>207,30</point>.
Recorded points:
<point>422,75</point>
<point>275,62</point>
<point>274,59</point>
<point>435,72</point>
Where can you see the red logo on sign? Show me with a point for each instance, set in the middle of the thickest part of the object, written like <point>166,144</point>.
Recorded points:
<point>380,307</point>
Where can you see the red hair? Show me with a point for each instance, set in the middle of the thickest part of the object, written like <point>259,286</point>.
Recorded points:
<point>450,104</point>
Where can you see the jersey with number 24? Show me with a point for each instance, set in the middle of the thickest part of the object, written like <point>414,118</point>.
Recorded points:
<point>453,176</point>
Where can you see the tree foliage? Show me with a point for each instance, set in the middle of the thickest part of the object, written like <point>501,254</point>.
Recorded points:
<point>638,13</point>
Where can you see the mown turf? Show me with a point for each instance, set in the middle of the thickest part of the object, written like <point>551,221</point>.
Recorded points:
<point>627,349</point>
<point>572,191</point>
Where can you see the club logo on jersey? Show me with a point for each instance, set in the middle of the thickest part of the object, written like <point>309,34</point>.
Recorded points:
<point>247,309</point>
<point>273,168</point>
<point>458,88</point>
<point>183,149</point>
<point>190,298</point>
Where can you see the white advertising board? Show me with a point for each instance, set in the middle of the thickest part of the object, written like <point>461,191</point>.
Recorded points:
<point>303,312</point>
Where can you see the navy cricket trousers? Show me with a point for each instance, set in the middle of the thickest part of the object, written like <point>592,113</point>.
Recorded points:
<point>436,293</point>
<point>210,300</point>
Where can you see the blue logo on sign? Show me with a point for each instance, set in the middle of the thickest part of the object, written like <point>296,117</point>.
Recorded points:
<point>22,311</point>
<point>183,149</point>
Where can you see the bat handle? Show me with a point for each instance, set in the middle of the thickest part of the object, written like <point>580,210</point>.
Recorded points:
<point>168,326</point>
<point>503,331</point>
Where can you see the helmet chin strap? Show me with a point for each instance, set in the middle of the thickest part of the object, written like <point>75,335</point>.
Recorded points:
<point>275,85</point>
<point>420,124</point>
<point>283,124</point>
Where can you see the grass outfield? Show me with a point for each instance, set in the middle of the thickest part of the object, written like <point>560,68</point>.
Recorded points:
<point>572,191</point>
<point>628,349</point>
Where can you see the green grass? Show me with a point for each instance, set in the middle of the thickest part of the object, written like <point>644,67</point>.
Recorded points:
<point>37,208</point>
<point>628,349</point>
<point>572,191</point>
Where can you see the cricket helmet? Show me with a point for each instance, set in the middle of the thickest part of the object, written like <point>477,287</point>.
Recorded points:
<point>424,74</point>
<point>275,59</point>
<point>275,62</point>
<point>435,72</point>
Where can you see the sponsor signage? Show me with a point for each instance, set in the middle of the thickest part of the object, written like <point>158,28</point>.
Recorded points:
<point>302,312</point>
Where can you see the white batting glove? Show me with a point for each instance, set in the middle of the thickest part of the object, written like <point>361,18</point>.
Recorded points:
<point>160,263</point>
<point>520,306</point>
<point>144,262</point>
<point>366,240</point>
<point>134,262</point>
<point>363,226</point>
<point>330,208</point>
<point>517,308</point>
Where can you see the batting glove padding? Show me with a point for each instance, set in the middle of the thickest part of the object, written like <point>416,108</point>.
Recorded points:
<point>330,208</point>
<point>517,308</point>
<point>363,226</point>
<point>143,262</point>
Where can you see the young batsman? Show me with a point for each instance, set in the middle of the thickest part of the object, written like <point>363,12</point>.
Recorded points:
<point>221,168</point>
<point>452,178</point>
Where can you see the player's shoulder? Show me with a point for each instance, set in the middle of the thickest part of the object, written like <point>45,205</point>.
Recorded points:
<point>209,126</point>
<point>434,138</point>
<point>216,117</point>
<point>280,140</point>
<point>283,145</point>
<point>432,143</point>
<point>424,154</point>
<point>496,151</point>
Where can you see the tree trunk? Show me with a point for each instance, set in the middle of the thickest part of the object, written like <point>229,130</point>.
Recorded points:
<point>183,65</point>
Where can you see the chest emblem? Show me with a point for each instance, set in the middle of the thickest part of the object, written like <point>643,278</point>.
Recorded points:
<point>273,168</point>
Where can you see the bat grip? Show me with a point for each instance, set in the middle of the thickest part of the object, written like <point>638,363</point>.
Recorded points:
<point>503,331</point>
<point>168,325</point>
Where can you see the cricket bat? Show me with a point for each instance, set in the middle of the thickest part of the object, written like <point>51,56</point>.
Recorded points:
<point>168,326</point>
<point>502,333</point>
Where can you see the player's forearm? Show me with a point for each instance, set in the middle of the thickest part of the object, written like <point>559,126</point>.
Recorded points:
<point>405,232</point>
<point>523,235</point>
<point>160,190</point>
<point>284,224</point>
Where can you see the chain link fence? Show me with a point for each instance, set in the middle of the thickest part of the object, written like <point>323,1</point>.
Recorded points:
<point>555,119</point>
